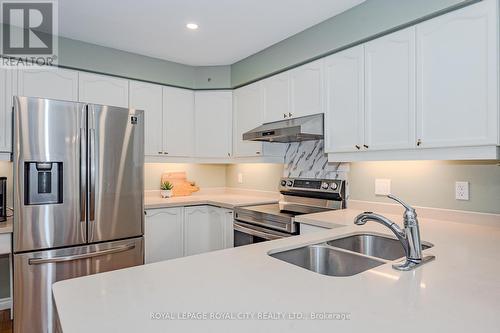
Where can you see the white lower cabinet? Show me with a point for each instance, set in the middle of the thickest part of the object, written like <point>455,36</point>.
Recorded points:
<point>163,233</point>
<point>182,231</point>
<point>204,229</point>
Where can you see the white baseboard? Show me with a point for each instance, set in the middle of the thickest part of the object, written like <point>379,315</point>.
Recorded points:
<point>5,303</point>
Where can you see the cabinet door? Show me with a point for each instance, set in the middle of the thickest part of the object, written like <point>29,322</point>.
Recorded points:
<point>247,114</point>
<point>178,122</point>
<point>228,228</point>
<point>307,89</point>
<point>457,68</point>
<point>53,83</point>
<point>148,97</point>
<point>390,91</point>
<point>204,229</point>
<point>344,117</point>
<point>163,234</point>
<point>276,97</point>
<point>213,123</point>
<point>6,100</point>
<point>101,89</point>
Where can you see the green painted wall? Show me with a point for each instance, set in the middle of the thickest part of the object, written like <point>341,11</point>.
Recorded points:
<point>91,57</point>
<point>365,21</point>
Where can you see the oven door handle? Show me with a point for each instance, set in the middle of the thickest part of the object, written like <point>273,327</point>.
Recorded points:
<point>253,232</point>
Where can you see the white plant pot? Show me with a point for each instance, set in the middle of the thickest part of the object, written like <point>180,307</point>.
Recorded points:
<point>166,193</point>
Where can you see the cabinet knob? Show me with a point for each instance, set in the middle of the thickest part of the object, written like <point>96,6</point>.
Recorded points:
<point>357,146</point>
<point>229,154</point>
<point>419,142</point>
<point>257,152</point>
<point>289,114</point>
<point>284,115</point>
<point>366,146</point>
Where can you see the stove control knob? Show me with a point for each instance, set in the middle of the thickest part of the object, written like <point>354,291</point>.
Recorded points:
<point>283,182</point>
<point>324,186</point>
<point>334,186</point>
<point>289,183</point>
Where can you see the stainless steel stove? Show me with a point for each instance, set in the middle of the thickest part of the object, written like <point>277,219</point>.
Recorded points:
<point>254,224</point>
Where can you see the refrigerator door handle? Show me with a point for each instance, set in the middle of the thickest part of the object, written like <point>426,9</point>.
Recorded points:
<point>122,248</point>
<point>83,175</point>
<point>92,172</point>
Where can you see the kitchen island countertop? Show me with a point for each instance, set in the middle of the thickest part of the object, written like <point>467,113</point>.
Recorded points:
<point>457,292</point>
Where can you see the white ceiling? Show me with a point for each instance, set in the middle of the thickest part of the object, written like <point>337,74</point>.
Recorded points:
<point>229,30</point>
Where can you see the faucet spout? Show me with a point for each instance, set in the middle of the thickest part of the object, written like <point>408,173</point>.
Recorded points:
<point>409,237</point>
<point>362,218</point>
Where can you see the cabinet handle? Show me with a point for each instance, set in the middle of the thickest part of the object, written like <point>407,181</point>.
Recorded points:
<point>165,153</point>
<point>289,114</point>
<point>229,154</point>
<point>257,152</point>
<point>365,146</point>
<point>357,147</point>
<point>419,142</point>
<point>284,115</point>
<point>160,152</point>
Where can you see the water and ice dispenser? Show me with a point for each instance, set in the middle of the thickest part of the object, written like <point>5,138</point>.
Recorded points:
<point>43,183</point>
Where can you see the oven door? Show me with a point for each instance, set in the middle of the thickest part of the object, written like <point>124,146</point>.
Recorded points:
<point>246,234</point>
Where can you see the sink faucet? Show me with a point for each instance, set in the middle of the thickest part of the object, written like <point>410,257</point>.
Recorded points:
<point>409,237</point>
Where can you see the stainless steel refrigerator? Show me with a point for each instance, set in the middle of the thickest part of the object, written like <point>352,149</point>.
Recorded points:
<point>78,199</point>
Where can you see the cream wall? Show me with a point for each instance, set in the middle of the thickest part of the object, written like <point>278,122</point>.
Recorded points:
<point>263,177</point>
<point>205,175</point>
<point>431,183</point>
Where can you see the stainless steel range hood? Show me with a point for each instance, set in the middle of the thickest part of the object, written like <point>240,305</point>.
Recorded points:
<point>291,130</point>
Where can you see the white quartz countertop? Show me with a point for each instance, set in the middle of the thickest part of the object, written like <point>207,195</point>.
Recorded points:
<point>458,292</point>
<point>227,198</point>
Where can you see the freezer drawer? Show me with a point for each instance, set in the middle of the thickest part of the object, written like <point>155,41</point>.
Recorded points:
<point>35,272</point>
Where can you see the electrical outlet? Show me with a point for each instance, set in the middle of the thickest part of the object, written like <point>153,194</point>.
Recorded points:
<point>462,190</point>
<point>382,186</point>
<point>240,178</point>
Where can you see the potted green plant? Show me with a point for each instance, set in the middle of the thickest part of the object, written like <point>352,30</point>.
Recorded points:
<point>166,189</point>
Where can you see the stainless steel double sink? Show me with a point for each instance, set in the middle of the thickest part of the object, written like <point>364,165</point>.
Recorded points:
<point>346,256</point>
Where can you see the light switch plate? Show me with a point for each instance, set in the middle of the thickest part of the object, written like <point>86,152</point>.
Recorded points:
<point>462,190</point>
<point>382,186</point>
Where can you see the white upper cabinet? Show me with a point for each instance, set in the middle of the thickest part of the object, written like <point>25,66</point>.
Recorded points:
<point>204,229</point>
<point>49,82</point>
<point>344,118</point>
<point>6,102</point>
<point>247,114</point>
<point>307,90</point>
<point>390,91</point>
<point>101,89</point>
<point>213,123</point>
<point>178,122</point>
<point>148,97</point>
<point>276,97</point>
<point>457,78</point>
<point>164,234</point>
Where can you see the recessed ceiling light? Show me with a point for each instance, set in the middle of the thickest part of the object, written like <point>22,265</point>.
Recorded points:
<point>192,26</point>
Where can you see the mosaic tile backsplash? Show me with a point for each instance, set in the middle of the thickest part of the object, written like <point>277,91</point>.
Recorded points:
<point>307,159</point>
